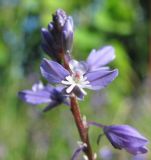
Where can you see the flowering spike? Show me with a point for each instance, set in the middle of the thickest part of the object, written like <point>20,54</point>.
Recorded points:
<point>57,38</point>
<point>73,77</point>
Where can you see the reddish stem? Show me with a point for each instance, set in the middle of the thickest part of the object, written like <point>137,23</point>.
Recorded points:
<point>82,129</point>
<point>149,38</point>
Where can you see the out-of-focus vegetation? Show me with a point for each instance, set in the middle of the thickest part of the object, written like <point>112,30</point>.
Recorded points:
<point>26,132</point>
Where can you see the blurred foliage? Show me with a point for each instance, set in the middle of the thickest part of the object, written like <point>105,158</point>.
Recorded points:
<point>27,133</point>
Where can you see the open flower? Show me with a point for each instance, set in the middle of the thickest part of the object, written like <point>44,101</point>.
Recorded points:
<point>76,82</point>
<point>43,94</point>
<point>126,137</point>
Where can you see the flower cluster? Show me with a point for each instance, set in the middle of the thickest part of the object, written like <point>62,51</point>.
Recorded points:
<point>82,75</point>
<point>68,78</point>
<point>91,74</point>
<point>58,37</point>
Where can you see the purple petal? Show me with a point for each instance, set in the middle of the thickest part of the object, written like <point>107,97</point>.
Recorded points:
<point>80,67</point>
<point>76,153</point>
<point>49,88</point>
<point>100,57</point>
<point>67,34</point>
<point>48,43</point>
<point>137,150</point>
<point>47,49</point>
<point>114,140</point>
<point>50,26</point>
<point>78,93</point>
<point>101,78</point>
<point>35,97</point>
<point>53,71</point>
<point>47,36</point>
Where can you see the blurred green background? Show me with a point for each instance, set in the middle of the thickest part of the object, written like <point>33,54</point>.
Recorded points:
<point>28,134</point>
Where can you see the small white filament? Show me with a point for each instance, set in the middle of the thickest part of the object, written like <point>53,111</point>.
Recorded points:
<point>81,144</point>
<point>95,156</point>
<point>84,120</point>
<point>71,82</point>
<point>85,157</point>
<point>70,88</point>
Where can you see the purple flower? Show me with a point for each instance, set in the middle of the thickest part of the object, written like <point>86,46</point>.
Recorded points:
<point>126,137</point>
<point>44,94</point>
<point>58,37</point>
<point>78,80</point>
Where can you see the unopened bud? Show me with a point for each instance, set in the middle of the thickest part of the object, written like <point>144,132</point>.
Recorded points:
<point>67,35</point>
<point>59,19</point>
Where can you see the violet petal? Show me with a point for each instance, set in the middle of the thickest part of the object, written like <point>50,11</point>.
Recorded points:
<point>78,93</point>
<point>100,57</point>
<point>101,78</point>
<point>67,35</point>
<point>137,150</point>
<point>47,36</point>
<point>35,98</point>
<point>53,71</point>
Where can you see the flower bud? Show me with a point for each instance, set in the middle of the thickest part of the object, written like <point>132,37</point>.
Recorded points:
<point>59,19</point>
<point>126,137</point>
<point>67,35</point>
<point>57,39</point>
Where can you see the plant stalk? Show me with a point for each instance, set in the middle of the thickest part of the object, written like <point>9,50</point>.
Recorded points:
<point>82,129</point>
